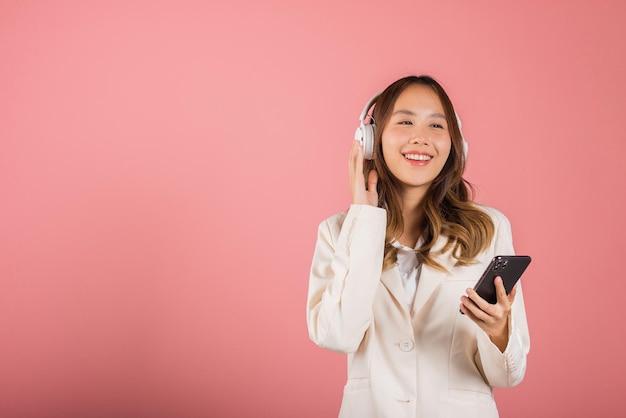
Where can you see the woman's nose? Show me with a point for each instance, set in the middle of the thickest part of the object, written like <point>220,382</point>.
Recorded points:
<point>418,137</point>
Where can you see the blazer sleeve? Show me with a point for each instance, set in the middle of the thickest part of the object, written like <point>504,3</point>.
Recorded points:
<point>345,275</point>
<point>508,368</point>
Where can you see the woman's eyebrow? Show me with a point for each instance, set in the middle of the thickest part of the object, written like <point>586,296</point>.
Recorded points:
<point>411,113</point>
<point>403,112</point>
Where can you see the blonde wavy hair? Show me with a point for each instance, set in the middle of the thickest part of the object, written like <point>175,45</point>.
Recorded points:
<point>448,208</point>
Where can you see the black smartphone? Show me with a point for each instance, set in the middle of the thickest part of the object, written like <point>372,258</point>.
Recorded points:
<point>509,267</point>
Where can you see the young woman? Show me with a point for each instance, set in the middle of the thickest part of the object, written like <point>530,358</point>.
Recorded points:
<point>391,278</point>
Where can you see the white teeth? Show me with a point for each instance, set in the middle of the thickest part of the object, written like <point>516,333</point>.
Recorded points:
<point>418,157</point>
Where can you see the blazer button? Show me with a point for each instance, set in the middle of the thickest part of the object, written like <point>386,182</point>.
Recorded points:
<point>406,344</point>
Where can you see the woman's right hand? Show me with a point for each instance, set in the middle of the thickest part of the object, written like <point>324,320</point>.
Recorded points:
<point>360,194</point>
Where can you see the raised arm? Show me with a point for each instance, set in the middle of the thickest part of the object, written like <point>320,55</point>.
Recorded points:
<point>347,265</point>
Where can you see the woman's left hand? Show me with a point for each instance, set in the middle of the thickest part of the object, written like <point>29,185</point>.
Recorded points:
<point>491,318</point>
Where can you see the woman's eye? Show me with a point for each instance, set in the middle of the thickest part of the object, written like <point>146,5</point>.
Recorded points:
<point>436,125</point>
<point>406,122</point>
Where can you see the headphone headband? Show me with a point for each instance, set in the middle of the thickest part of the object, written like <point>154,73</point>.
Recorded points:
<point>368,106</point>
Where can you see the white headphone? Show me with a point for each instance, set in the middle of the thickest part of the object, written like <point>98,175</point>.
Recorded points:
<point>365,132</point>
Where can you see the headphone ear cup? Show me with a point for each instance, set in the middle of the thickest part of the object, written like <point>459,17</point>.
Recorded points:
<point>365,135</point>
<point>368,141</point>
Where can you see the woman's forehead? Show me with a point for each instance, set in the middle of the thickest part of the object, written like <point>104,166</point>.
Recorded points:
<point>418,96</point>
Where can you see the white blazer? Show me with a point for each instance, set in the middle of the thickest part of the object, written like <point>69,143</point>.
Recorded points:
<point>428,363</point>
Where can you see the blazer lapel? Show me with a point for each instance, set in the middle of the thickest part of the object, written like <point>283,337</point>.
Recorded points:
<point>393,282</point>
<point>431,278</point>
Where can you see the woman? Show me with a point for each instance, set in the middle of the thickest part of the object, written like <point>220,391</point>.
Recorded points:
<point>389,275</point>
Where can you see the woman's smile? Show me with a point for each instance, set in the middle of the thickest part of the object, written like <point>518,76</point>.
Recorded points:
<point>418,158</point>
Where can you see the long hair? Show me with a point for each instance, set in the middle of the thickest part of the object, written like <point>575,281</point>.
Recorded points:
<point>448,208</point>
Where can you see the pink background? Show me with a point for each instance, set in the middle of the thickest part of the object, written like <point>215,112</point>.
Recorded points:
<point>164,166</point>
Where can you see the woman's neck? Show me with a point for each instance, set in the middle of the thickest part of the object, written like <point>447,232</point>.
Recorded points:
<point>412,218</point>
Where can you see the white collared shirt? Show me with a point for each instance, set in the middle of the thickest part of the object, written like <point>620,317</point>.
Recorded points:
<point>409,268</point>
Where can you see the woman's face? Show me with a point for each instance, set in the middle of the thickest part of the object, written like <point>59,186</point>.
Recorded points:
<point>416,142</point>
